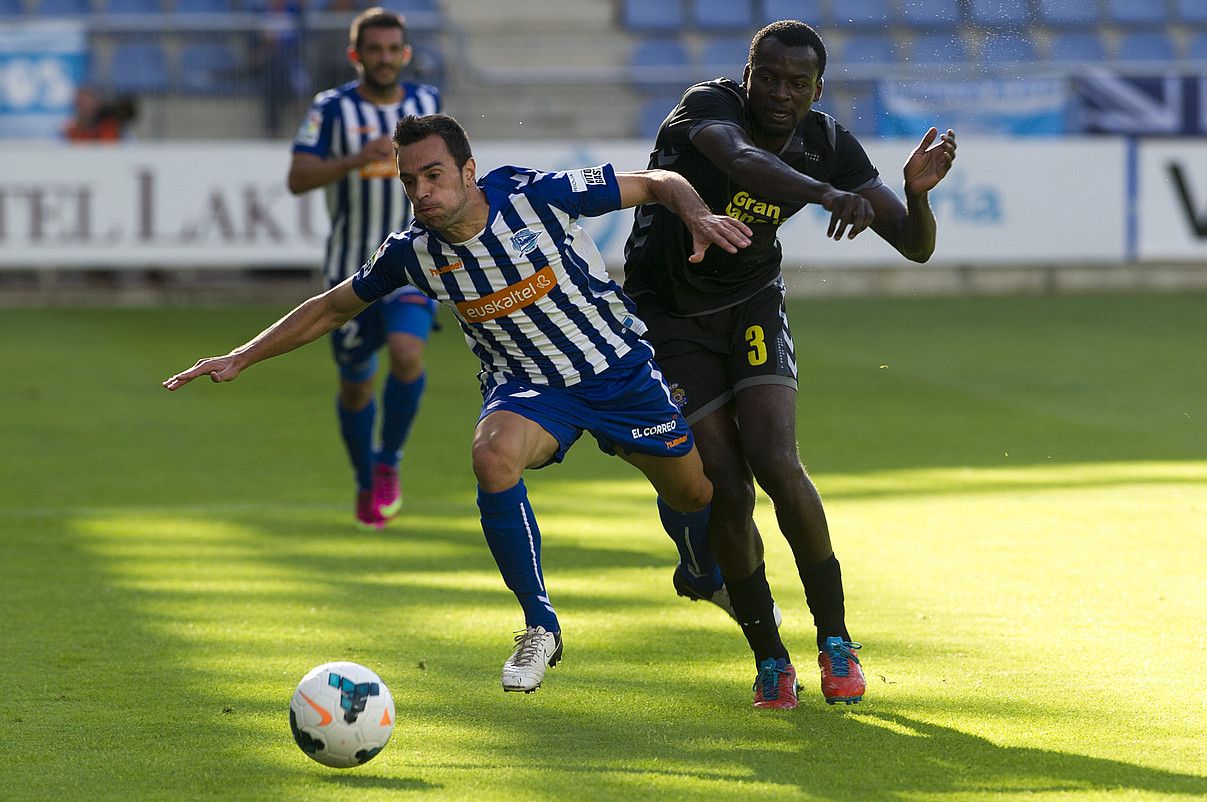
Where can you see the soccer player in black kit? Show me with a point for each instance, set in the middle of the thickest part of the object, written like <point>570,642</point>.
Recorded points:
<point>759,152</point>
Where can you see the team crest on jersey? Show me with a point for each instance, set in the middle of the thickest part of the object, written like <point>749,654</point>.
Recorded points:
<point>678,395</point>
<point>524,241</point>
<point>308,131</point>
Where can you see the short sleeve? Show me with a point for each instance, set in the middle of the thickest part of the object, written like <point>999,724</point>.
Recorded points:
<point>386,269</point>
<point>853,170</point>
<point>314,134</point>
<point>704,105</point>
<point>585,192</point>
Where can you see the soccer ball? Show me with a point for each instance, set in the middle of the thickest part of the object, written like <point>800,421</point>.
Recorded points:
<point>341,714</point>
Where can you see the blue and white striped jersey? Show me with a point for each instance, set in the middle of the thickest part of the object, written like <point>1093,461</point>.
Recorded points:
<point>530,291</point>
<point>368,204</point>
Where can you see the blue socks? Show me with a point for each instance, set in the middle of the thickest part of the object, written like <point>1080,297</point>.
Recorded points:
<point>689,530</point>
<point>357,431</point>
<point>400,404</point>
<point>515,541</point>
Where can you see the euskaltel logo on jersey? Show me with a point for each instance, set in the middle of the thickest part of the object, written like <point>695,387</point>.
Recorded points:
<point>749,209</point>
<point>510,299</point>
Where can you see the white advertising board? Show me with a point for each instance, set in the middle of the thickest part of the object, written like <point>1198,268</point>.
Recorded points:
<point>226,205</point>
<point>1172,200</point>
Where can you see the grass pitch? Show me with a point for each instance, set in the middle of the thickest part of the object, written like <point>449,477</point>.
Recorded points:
<point>1017,489</point>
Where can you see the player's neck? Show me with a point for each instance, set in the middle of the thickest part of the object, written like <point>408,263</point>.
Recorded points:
<point>477,215</point>
<point>386,96</point>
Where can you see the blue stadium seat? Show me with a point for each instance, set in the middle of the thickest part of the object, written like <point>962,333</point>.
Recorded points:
<point>11,8</point>
<point>1146,46</point>
<point>1069,13</point>
<point>1076,46</point>
<point>139,67</point>
<point>930,14</point>
<point>645,16</point>
<point>652,112</point>
<point>1007,48</point>
<point>861,118</point>
<point>1000,13</point>
<point>810,11</point>
<point>209,68</point>
<point>862,13</point>
<point>64,8</point>
<point>1197,49</point>
<point>135,7</point>
<point>869,48</point>
<point>660,65</point>
<point>203,6</point>
<point>1136,12</point>
<point>724,56</point>
<point>939,48</point>
<point>1192,11</point>
<point>723,15</point>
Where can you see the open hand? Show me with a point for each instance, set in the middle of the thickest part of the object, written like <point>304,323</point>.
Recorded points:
<point>720,230</point>
<point>929,162</point>
<point>219,368</point>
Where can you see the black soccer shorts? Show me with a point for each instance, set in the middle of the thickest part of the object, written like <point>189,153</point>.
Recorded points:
<point>706,359</point>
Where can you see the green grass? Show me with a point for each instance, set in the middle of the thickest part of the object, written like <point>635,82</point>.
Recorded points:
<point>1017,488</point>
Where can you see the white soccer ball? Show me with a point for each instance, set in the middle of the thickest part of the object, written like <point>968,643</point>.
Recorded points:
<point>341,714</point>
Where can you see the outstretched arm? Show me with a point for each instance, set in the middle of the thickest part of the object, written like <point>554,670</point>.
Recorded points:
<point>309,321</point>
<point>675,193</point>
<point>910,227</point>
<point>732,151</point>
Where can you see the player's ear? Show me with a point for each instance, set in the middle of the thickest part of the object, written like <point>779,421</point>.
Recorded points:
<point>817,92</point>
<point>469,173</point>
<point>746,76</point>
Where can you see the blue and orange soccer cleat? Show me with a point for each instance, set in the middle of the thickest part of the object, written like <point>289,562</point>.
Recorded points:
<point>841,675</point>
<point>775,686</point>
<point>387,492</point>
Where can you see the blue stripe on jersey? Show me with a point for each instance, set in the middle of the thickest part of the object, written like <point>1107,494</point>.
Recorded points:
<point>499,254</point>
<point>557,335</point>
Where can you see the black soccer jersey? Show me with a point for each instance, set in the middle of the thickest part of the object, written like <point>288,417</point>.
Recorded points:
<point>657,250</point>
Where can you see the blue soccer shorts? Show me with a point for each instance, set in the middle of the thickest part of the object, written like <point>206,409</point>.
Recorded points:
<point>356,343</point>
<point>626,409</point>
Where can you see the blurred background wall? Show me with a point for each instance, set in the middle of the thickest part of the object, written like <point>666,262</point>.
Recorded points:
<point>151,136</point>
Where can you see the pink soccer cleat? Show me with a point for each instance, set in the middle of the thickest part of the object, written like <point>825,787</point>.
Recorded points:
<point>387,492</point>
<point>366,514</point>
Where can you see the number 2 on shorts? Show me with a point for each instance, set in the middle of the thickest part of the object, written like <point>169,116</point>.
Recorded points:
<point>758,346</point>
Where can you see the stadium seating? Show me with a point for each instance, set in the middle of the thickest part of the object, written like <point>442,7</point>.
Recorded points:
<point>1000,13</point>
<point>665,16</point>
<point>659,65</point>
<point>860,119</point>
<point>1197,49</point>
<point>862,14</point>
<point>11,8</point>
<point>1073,46</point>
<point>1068,13</point>
<point>1007,48</point>
<point>724,56</point>
<point>203,6</point>
<point>1136,12</point>
<point>209,68</point>
<point>939,48</point>
<point>139,67</point>
<point>810,11</point>
<point>64,8</point>
<point>135,7</point>
<point>1146,46</point>
<point>1192,11</point>
<point>723,15</point>
<point>652,112</point>
<point>870,48</point>
<point>930,14</point>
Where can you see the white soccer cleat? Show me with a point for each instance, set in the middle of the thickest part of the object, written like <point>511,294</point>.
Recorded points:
<point>535,648</point>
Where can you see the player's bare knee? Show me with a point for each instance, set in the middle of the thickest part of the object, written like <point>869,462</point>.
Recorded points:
<point>689,496</point>
<point>734,497</point>
<point>406,364</point>
<point>495,465</point>
<point>355,396</point>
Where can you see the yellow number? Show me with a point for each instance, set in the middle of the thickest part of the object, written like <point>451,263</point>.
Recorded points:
<point>758,348</point>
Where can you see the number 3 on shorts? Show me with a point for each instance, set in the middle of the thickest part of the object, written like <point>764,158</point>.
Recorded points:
<point>758,347</point>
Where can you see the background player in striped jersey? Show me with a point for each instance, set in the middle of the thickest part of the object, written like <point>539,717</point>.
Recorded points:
<point>758,151</point>
<point>344,146</point>
<point>560,348</point>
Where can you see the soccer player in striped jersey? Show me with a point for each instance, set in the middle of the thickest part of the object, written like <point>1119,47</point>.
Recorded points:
<point>344,146</point>
<point>560,347</point>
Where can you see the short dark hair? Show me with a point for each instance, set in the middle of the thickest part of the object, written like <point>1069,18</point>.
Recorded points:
<point>412,129</point>
<point>792,33</point>
<point>376,17</point>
